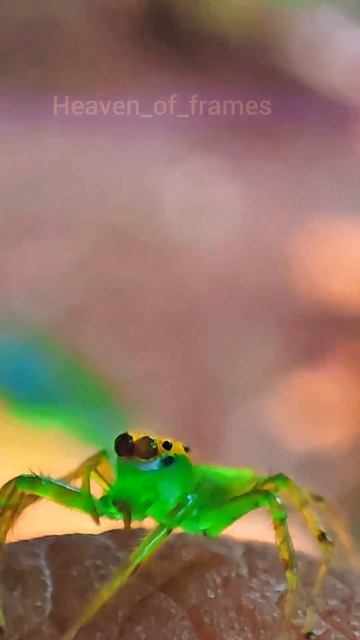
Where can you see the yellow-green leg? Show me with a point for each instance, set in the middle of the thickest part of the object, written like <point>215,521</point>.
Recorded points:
<point>339,528</point>
<point>255,499</point>
<point>98,467</point>
<point>42,487</point>
<point>146,549</point>
<point>19,493</point>
<point>95,467</point>
<point>302,500</point>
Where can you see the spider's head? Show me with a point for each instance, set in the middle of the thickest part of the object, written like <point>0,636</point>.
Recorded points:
<point>155,473</point>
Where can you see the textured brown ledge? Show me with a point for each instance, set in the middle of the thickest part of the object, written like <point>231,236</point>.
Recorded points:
<point>195,589</point>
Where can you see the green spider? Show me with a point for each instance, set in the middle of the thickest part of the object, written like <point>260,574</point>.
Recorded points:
<point>141,475</point>
<point>152,476</point>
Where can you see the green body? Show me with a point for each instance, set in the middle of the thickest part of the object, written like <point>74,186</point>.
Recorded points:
<point>153,478</point>
<point>150,489</point>
<point>200,499</point>
<point>154,490</point>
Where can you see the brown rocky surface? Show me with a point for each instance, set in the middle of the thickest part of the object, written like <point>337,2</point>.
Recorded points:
<point>195,589</point>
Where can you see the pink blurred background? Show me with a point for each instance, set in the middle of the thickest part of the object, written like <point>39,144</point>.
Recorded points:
<point>209,268</point>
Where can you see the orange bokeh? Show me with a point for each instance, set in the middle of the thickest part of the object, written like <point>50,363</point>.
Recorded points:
<point>325,262</point>
<point>320,402</point>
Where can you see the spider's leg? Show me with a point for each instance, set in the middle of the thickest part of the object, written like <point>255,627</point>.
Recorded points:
<point>34,486</point>
<point>235,508</point>
<point>302,501</point>
<point>15,491</point>
<point>97,467</point>
<point>147,547</point>
<point>339,527</point>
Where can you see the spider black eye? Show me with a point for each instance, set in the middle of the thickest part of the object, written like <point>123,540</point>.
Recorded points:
<point>145,448</point>
<point>187,449</point>
<point>167,445</point>
<point>168,460</point>
<point>124,445</point>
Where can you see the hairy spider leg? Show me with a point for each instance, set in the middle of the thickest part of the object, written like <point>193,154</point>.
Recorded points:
<point>20,492</point>
<point>143,552</point>
<point>238,506</point>
<point>97,467</point>
<point>43,487</point>
<point>339,527</point>
<point>302,501</point>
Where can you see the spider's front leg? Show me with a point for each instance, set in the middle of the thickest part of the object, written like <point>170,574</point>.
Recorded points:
<point>37,486</point>
<point>13,502</point>
<point>146,549</point>
<point>22,491</point>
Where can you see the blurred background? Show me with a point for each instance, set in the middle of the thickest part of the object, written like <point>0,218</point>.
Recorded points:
<point>208,267</point>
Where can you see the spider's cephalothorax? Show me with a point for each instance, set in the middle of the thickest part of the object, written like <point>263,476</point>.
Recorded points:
<point>142,446</point>
<point>153,475</point>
